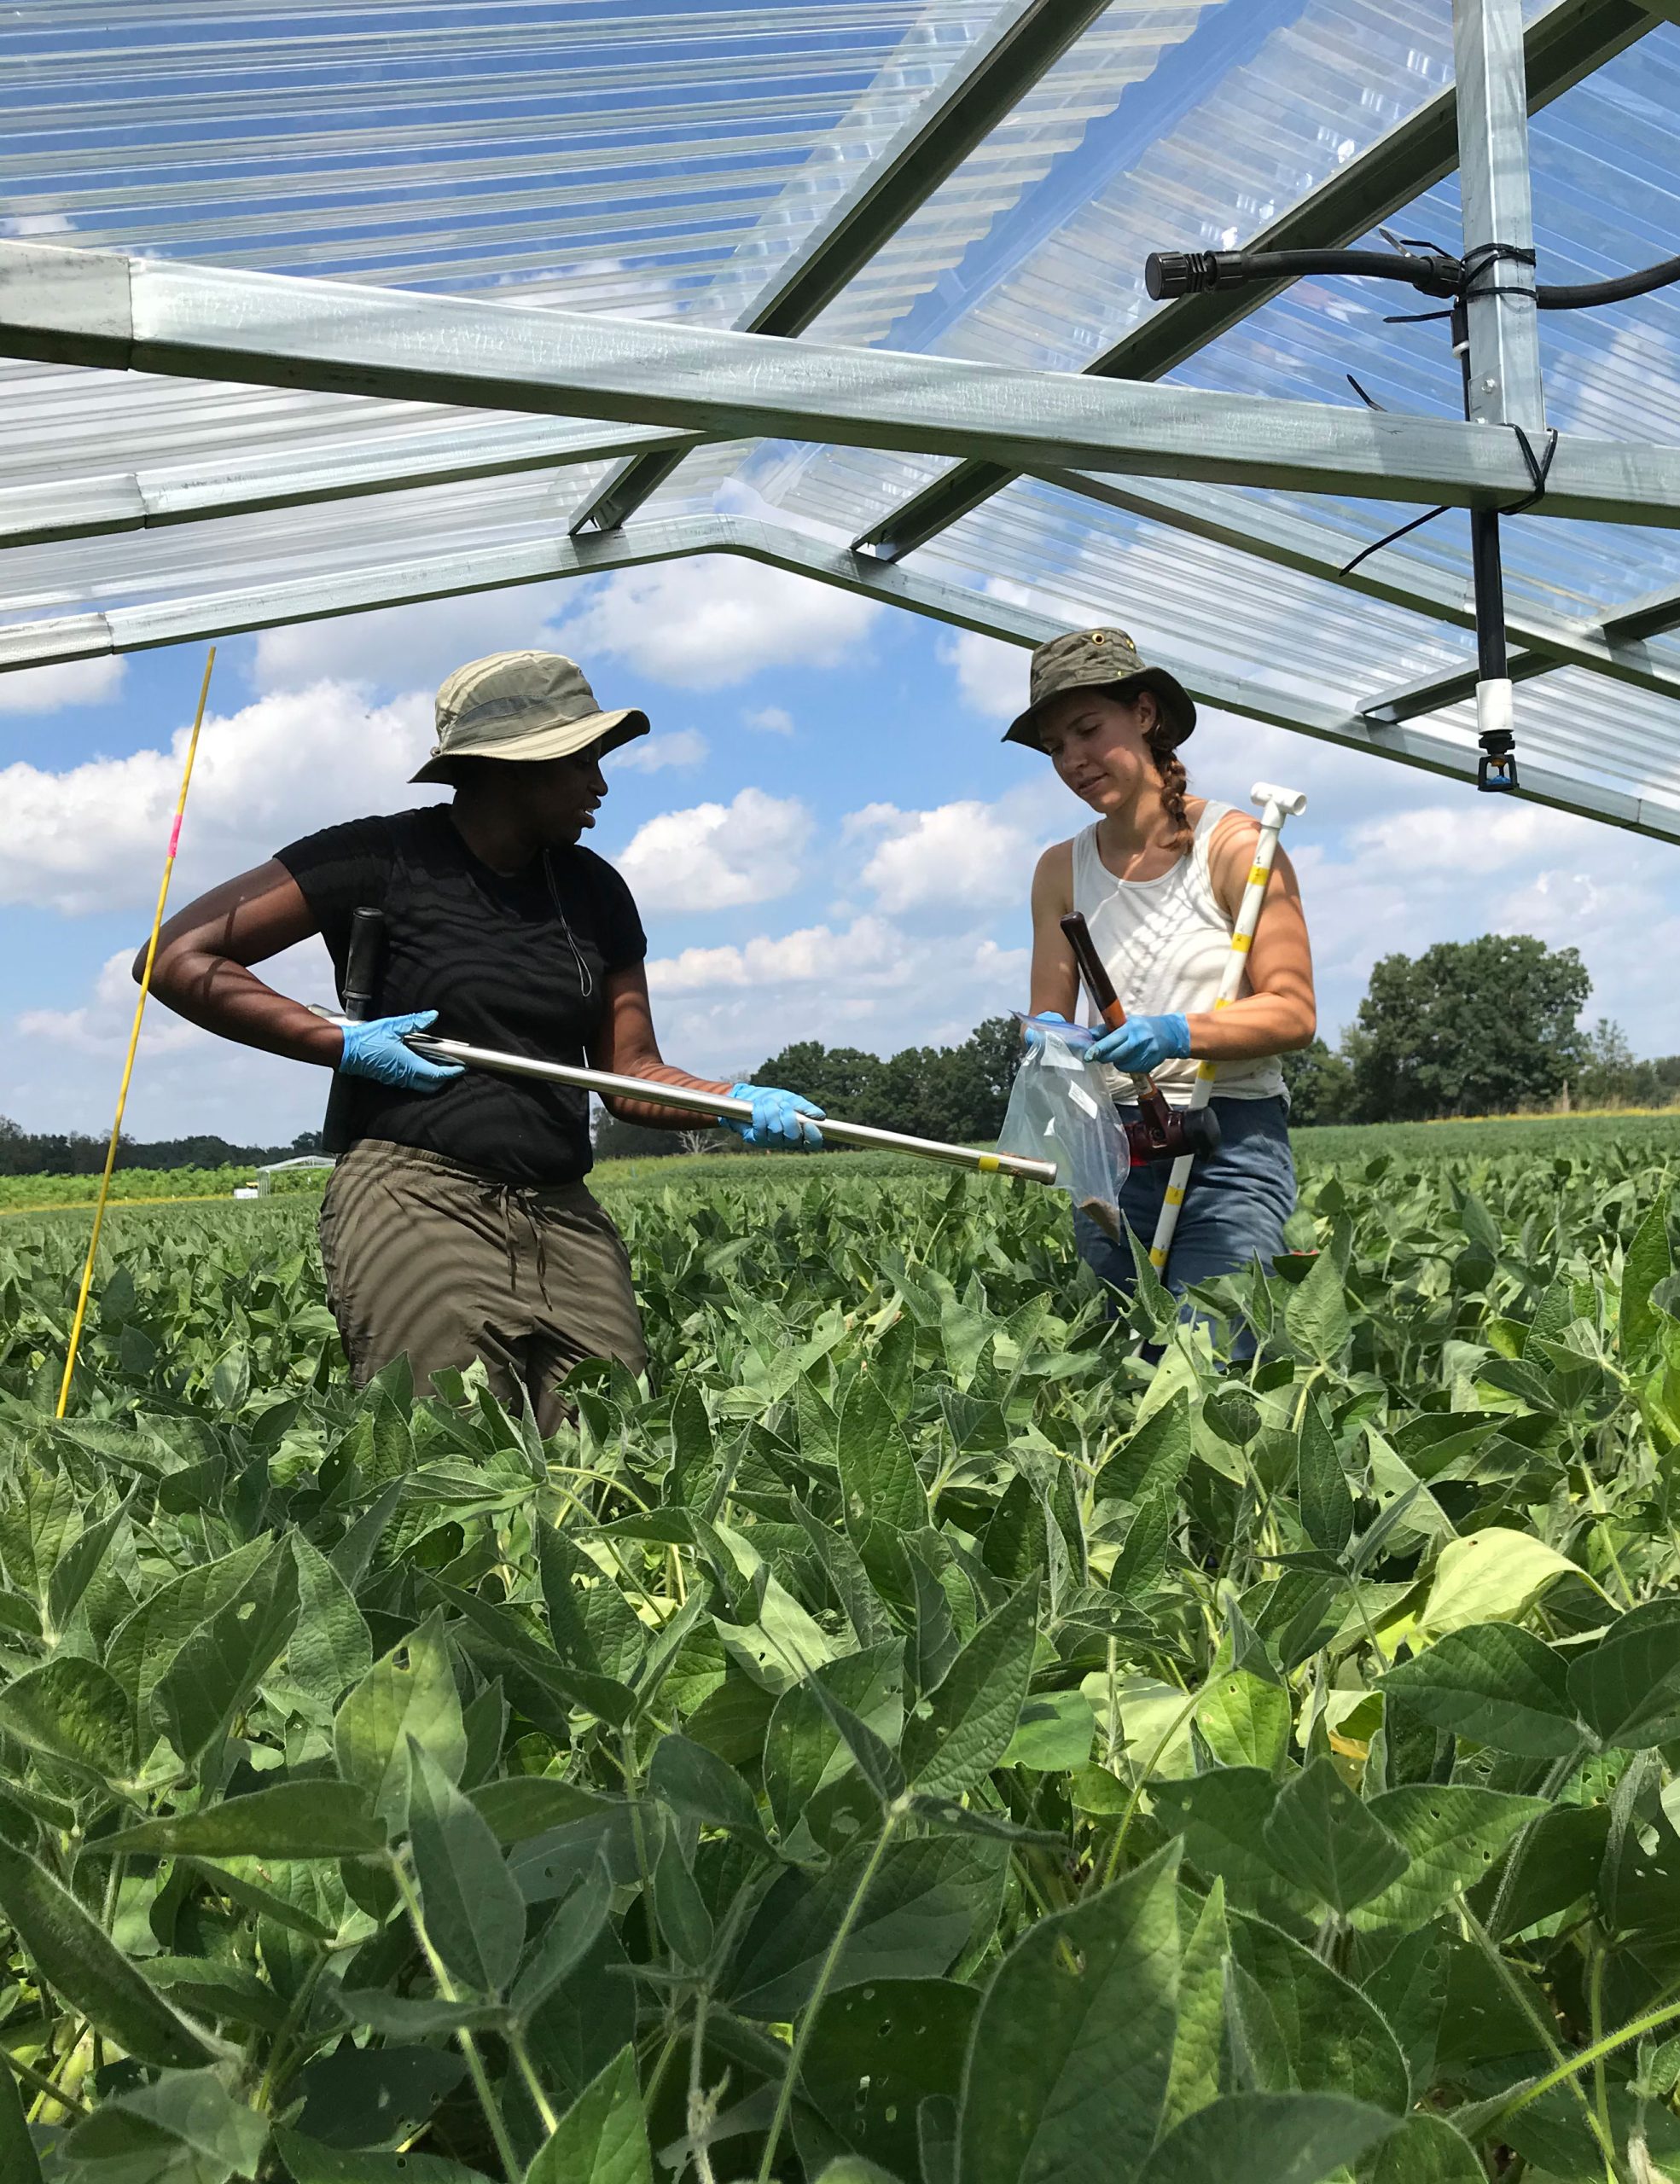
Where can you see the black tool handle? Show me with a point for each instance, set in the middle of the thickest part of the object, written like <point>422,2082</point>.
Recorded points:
<point>1156,1115</point>
<point>1093,970</point>
<point>361,983</point>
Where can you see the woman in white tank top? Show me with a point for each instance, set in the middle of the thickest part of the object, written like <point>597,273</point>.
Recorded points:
<point>1158,875</point>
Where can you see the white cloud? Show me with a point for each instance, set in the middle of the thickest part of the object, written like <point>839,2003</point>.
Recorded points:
<point>37,223</point>
<point>870,948</point>
<point>868,985</point>
<point>406,648</point>
<point>773,720</point>
<point>716,855</point>
<point>92,838</point>
<point>991,675</point>
<point>651,754</point>
<point>73,682</point>
<point>706,624</point>
<point>965,856</point>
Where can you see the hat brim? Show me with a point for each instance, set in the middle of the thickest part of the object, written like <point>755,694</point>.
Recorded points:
<point>1178,707</point>
<point>560,741</point>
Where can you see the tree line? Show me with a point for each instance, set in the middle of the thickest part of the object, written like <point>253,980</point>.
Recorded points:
<point>1473,1027</point>
<point>1470,1027</point>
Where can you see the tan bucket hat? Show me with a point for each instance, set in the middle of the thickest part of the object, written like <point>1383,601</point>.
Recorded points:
<point>1084,658</point>
<point>522,705</point>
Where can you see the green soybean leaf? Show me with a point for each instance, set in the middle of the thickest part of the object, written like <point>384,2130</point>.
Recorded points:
<point>1492,1575</point>
<point>1316,1314</point>
<point>315,1818</point>
<point>930,1900</point>
<point>804,1753</point>
<point>1324,1839</point>
<point>371,2097</point>
<point>697,1784</point>
<point>878,1480</point>
<point>1333,2036</point>
<point>520,1806</point>
<point>684,1919</point>
<point>1648,1262</point>
<point>603,2137</point>
<point>1326,1505</point>
<point>877,2050</point>
<point>188,2110</point>
<point>408,1694</point>
<point>1287,2138</point>
<point>956,1737</point>
<point>77,1957</point>
<point>1627,1689</point>
<point>1073,2048</point>
<point>72,1710</point>
<point>566,1941</point>
<point>218,1669</point>
<point>1453,1833</point>
<point>73,1572</point>
<point>331,1649</point>
<point>1246,1719</point>
<point>1194,2078</point>
<point>1495,1684</point>
<point>474,1913</point>
<point>1054,1733</point>
<point>1424,2150</point>
<point>308,2162</point>
<point>18,2161</point>
<point>1222,1815</point>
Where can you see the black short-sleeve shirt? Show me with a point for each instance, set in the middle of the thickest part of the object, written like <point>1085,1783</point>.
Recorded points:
<point>518,962</point>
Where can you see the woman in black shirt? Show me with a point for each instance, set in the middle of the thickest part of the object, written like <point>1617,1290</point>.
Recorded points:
<point>458,1225</point>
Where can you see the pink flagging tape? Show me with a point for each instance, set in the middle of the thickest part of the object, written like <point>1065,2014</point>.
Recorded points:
<point>174,837</point>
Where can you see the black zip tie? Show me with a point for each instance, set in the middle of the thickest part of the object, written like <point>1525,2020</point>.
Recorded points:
<point>1540,468</point>
<point>1415,318</point>
<point>1369,400</point>
<point>1483,258</point>
<point>1416,523</point>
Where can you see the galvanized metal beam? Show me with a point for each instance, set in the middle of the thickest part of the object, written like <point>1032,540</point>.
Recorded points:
<point>95,307</point>
<point>136,628</point>
<point>1568,42</point>
<point>1292,541</point>
<point>395,462</point>
<point>1504,385</point>
<point>1022,44</point>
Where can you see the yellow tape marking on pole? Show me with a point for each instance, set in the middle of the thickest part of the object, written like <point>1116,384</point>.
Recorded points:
<point>1242,942</point>
<point>988,1164</point>
<point>1259,874</point>
<point>1174,1197</point>
<point>1157,1258</point>
<point>133,1044</point>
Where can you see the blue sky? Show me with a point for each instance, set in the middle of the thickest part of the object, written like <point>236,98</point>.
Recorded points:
<point>826,835</point>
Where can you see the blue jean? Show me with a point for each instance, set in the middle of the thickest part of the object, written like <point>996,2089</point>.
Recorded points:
<point>1234,1209</point>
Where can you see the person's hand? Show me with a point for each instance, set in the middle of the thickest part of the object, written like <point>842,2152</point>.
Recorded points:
<point>777,1117</point>
<point>1034,1037</point>
<point>1142,1043</point>
<point>376,1050</point>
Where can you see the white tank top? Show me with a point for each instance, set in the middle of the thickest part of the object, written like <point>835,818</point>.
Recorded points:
<point>1166,943</point>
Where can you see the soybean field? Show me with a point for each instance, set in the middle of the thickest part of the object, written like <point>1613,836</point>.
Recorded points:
<point>933,1732</point>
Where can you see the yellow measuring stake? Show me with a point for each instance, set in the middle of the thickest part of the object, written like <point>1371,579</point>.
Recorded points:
<point>133,1044</point>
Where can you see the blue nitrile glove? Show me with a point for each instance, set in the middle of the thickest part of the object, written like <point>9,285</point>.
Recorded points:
<point>776,1117</point>
<point>1142,1043</point>
<point>375,1049</point>
<point>1035,1038</point>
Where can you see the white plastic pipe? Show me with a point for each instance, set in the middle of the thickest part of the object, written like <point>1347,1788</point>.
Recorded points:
<point>1275,805</point>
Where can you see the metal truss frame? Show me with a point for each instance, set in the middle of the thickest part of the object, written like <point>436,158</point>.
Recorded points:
<point>355,591</point>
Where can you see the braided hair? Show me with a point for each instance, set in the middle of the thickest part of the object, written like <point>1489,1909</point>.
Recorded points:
<point>1169,767</point>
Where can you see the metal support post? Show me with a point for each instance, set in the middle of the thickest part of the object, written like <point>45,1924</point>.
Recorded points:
<point>1496,322</point>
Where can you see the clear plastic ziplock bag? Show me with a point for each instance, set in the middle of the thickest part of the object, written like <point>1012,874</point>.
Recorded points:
<point>1060,1110</point>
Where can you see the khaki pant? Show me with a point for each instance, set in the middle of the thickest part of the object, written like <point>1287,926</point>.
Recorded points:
<point>427,1258</point>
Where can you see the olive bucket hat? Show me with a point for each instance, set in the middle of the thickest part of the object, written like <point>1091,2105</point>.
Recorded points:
<point>1081,659</point>
<point>522,705</point>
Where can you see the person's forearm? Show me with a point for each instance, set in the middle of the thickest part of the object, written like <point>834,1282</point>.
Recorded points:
<point>231,1000</point>
<point>649,1114</point>
<point>1261,1023</point>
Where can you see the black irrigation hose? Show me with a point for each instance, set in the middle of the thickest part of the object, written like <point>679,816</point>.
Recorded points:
<point>1433,273</point>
